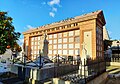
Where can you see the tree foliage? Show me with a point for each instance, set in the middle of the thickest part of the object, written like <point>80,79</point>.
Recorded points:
<point>106,44</point>
<point>8,36</point>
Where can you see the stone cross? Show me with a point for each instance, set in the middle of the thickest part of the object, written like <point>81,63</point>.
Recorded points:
<point>84,51</point>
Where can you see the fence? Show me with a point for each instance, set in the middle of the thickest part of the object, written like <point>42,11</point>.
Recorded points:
<point>94,68</point>
<point>113,58</point>
<point>89,69</point>
<point>42,74</point>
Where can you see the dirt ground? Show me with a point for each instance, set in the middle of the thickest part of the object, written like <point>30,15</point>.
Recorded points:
<point>112,81</point>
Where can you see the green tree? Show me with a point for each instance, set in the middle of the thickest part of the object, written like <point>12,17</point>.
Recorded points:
<point>8,36</point>
<point>107,43</point>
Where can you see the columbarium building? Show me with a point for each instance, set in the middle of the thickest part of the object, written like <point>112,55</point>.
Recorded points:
<point>69,37</point>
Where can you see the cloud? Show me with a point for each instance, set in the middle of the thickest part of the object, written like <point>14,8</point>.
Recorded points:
<point>27,27</point>
<point>54,2</point>
<point>52,14</point>
<point>54,9</point>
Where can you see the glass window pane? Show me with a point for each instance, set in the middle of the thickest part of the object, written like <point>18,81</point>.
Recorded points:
<point>64,40</point>
<point>59,46</point>
<point>55,41</point>
<point>77,32</point>
<point>32,38</point>
<point>32,43</point>
<point>71,33</point>
<point>54,46</point>
<point>32,47</point>
<point>55,35</point>
<point>71,52</point>
<point>50,41</point>
<point>59,51</point>
<point>54,51</point>
<point>59,35</point>
<point>35,47</point>
<point>36,38</point>
<point>50,46</point>
<point>35,43</point>
<point>70,45</point>
<point>50,51</point>
<point>71,39</point>
<point>77,52</point>
<point>34,52</point>
<point>59,40</point>
<point>77,39</point>
<point>39,38</point>
<point>64,46</point>
<point>65,52</point>
<point>65,34</point>
<point>50,36</point>
<point>77,45</point>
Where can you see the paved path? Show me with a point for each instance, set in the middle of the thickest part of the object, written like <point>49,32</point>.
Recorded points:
<point>114,75</point>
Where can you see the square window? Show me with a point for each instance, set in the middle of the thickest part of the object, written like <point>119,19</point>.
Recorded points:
<point>59,40</point>
<point>64,40</point>
<point>71,33</point>
<point>55,35</point>
<point>71,46</point>
<point>50,36</point>
<point>54,46</point>
<point>55,41</point>
<point>65,52</point>
<point>77,32</point>
<point>77,45</point>
<point>77,39</point>
<point>64,46</point>
<point>65,34</point>
<point>71,39</point>
<point>59,46</point>
<point>71,52</point>
<point>50,51</point>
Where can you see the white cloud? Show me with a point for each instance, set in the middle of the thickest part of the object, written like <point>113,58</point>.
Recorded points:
<point>52,14</point>
<point>54,9</point>
<point>29,27</point>
<point>53,2</point>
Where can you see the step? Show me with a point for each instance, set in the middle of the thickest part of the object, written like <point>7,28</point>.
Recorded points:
<point>115,71</point>
<point>112,69</point>
<point>48,82</point>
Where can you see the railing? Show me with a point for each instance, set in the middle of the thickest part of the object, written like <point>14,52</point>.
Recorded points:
<point>89,69</point>
<point>113,58</point>
<point>95,68</point>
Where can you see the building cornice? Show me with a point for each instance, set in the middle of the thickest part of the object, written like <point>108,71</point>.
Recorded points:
<point>76,19</point>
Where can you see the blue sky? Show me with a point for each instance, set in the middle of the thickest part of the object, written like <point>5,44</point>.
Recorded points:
<point>34,13</point>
